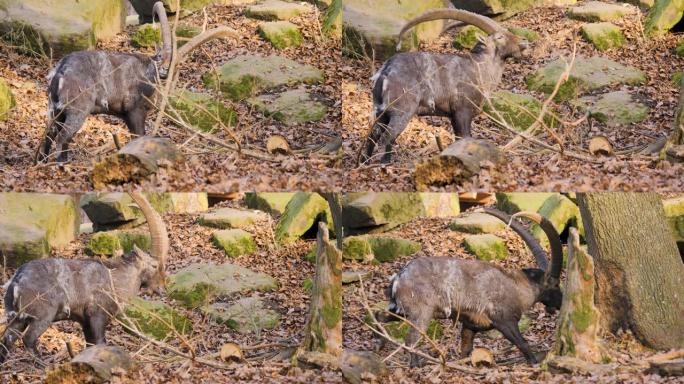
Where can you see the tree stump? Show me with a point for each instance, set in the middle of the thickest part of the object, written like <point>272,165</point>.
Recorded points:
<point>96,364</point>
<point>578,321</point>
<point>136,161</point>
<point>323,332</point>
<point>457,163</point>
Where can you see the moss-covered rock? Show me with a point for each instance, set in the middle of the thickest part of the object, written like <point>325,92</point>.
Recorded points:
<point>290,107</point>
<point>398,330</point>
<point>518,111</point>
<point>247,75</point>
<point>677,78</point>
<point>679,49</point>
<point>477,222</point>
<point>146,36</point>
<point>21,243</point>
<point>7,101</point>
<point>301,213</point>
<point>664,15</point>
<point>587,74</point>
<point>247,315</point>
<point>235,242</point>
<point>155,319</point>
<point>440,204</point>
<point>197,284</point>
<point>277,10</point>
<point>201,110</point>
<point>56,215</point>
<point>380,211</point>
<point>486,247</point>
<point>504,9</point>
<point>144,7</point>
<point>525,33</point>
<point>514,202</point>
<point>109,243</point>
<point>674,211</point>
<point>614,108</point>
<point>599,11</point>
<point>561,212</point>
<point>55,28</point>
<point>603,36</point>
<point>370,27</point>
<point>468,36</point>
<point>224,218</point>
<point>271,202</point>
<point>386,249</point>
<point>282,34</point>
<point>356,248</point>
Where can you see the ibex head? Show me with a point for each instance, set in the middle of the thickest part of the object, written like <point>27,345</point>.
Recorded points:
<point>500,40</point>
<point>152,265</point>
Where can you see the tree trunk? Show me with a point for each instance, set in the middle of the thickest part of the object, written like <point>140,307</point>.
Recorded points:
<point>578,322</point>
<point>678,134</point>
<point>135,161</point>
<point>639,274</point>
<point>323,332</point>
<point>96,364</point>
<point>335,203</point>
<point>457,163</point>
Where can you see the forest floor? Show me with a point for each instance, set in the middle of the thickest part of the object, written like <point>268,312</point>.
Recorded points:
<point>208,166</point>
<point>190,243</point>
<point>530,167</point>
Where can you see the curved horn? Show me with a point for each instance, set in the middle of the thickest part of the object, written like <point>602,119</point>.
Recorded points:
<point>167,42</point>
<point>158,233</point>
<point>484,23</point>
<point>537,250</point>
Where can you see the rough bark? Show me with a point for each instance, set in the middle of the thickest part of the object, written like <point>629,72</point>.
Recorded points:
<point>136,161</point>
<point>457,163</point>
<point>674,149</point>
<point>335,203</point>
<point>97,364</point>
<point>578,322</point>
<point>323,332</point>
<point>639,274</point>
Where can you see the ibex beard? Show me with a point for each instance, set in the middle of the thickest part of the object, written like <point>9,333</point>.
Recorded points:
<point>480,295</point>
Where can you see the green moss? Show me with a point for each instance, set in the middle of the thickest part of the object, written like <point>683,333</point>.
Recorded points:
<point>583,317</point>
<point>271,202</point>
<point>301,213</point>
<point>146,36</point>
<point>282,34</point>
<point>486,247</point>
<point>677,78</point>
<point>357,248</point>
<point>193,298</point>
<point>331,315</point>
<point>664,15</point>
<point>603,36</point>
<point>516,110</point>
<point>398,330</point>
<point>387,249</point>
<point>468,37</point>
<point>155,319</point>
<point>291,107</point>
<point>110,242</point>
<point>307,284</point>
<point>235,242</point>
<point>201,111</point>
<point>7,101</point>
<point>525,33</point>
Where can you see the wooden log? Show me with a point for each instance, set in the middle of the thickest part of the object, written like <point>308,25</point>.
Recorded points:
<point>136,161</point>
<point>668,368</point>
<point>96,364</point>
<point>579,319</point>
<point>457,163</point>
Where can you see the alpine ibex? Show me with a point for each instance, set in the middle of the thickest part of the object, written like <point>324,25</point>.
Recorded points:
<point>427,84</point>
<point>88,291</point>
<point>92,82</point>
<point>480,295</point>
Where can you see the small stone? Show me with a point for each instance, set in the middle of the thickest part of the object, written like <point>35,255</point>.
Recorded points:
<point>282,34</point>
<point>514,202</point>
<point>111,243</point>
<point>614,109</point>
<point>599,11</point>
<point>349,277</point>
<point>21,243</point>
<point>225,218</point>
<point>482,357</point>
<point>276,10</point>
<point>290,107</point>
<point>486,247</point>
<point>155,319</point>
<point>378,248</point>
<point>231,352</point>
<point>235,242</point>
<point>517,110</point>
<point>525,33</point>
<point>468,36</point>
<point>302,212</point>
<point>477,222</point>
<point>603,36</point>
<point>247,315</point>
